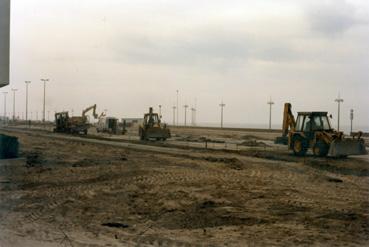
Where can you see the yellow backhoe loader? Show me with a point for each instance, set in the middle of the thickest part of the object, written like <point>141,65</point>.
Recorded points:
<point>313,130</point>
<point>152,128</point>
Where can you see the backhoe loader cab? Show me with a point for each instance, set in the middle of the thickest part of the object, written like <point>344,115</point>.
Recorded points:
<point>309,126</point>
<point>313,130</point>
<point>312,121</point>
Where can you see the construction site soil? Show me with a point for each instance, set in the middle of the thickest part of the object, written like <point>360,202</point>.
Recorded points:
<point>69,192</point>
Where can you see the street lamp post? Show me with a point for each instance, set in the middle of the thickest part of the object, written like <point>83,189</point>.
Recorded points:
<point>222,105</point>
<point>193,112</point>
<point>351,119</point>
<point>27,82</point>
<point>177,108</point>
<point>160,111</point>
<point>43,113</point>
<point>339,101</point>
<point>185,119</point>
<point>174,115</point>
<point>270,103</point>
<point>14,90</point>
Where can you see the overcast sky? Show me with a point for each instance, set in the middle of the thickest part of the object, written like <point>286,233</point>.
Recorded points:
<point>128,55</point>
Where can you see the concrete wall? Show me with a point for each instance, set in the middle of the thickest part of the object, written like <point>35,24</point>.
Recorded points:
<point>4,41</point>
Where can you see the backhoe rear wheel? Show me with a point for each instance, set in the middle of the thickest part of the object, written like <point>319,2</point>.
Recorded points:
<point>299,146</point>
<point>320,149</point>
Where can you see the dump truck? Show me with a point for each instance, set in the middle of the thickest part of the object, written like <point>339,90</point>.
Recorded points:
<point>152,128</point>
<point>312,130</point>
<point>74,125</point>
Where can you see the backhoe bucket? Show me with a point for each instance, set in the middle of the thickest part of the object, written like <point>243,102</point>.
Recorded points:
<point>345,147</point>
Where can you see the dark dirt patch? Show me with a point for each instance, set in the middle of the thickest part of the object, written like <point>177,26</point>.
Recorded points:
<point>334,180</point>
<point>269,155</point>
<point>325,166</point>
<point>253,143</point>
<point>283,209</point>
<point>252,137</point>
<point>115,225</point>
<point>34,158</point>
<point>204,215</point>
<point>233,163</point>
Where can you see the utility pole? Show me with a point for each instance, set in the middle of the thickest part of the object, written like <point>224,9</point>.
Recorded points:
<point>351,119</point>
<point>14,90</point>
<point>222,105</point>
<point>27,82</point>
<point>160,111</point>
<point>177,108</point>
<point>185,119</point>
<point>5,93</point>
<point>43,113</point>
<point>339,101</point>
<point>174,115</point>
<point>193,111</point>
<point>270,103</point>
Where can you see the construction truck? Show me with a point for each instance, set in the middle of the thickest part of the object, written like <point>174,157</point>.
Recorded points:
<point>152,128</point>
<point>312,130</point>
<point>74,125</point>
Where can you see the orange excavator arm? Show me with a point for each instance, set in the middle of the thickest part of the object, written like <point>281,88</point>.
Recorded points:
<point>289,121</point>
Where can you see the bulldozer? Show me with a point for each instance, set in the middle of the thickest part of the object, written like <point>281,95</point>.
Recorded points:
<point>312,130</point>
<point>152,128</point>
<point>74,125</point>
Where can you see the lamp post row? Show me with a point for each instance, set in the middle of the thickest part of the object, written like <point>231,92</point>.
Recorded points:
<point>14,100</point>
<point>339,100</point>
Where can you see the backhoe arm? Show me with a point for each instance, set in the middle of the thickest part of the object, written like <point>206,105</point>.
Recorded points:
<point>288,119</point>
<point>89,109</point>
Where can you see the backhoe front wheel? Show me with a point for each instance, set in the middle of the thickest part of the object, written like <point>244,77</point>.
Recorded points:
<point>299,146</point>
<point>320,149</point>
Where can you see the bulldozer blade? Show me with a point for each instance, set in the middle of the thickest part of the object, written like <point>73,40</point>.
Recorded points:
<point>345,147</point>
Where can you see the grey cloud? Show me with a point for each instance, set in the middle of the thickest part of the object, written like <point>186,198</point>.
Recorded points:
<point>225,48</point>
<point>333,17</point>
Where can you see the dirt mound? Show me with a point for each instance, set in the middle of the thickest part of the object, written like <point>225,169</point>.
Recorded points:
<point>253,143</point>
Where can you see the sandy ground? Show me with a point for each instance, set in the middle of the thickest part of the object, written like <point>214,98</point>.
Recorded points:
<point>72,193</point>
